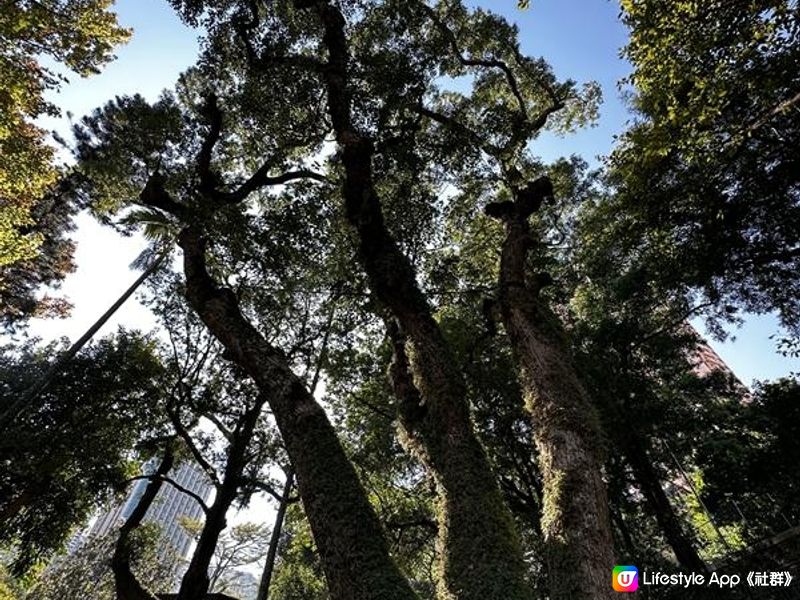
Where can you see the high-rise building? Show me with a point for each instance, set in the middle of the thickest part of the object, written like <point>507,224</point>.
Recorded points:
<point>705,361</point>
<point>169,506</point>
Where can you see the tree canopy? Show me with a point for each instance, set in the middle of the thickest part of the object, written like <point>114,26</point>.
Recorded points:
<point>477,364</point>
<point>706,180</point>
<point>38,40</point>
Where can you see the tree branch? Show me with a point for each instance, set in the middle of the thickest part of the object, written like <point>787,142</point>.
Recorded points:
<point>674,323</point>
<point>489,63</point>
<point>779,108</point>
<point>210,471</point>
<point>164,479</point>
<point>458,126</point>
<point>243,30</point>
<point>541,120</point>
<point>219,425</point>
<point>208,179</point>
<point>155,195</point>
<point>265,487</point>
<point>126,584</point>
<point>261,179</point>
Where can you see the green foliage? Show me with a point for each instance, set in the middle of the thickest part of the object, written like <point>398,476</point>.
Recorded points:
<point>93,415</point>
<point>86,573</point>
<point>81,36</point>
<point>298,574</point>
<point>121,144</point>
<point>9,589</point>
<point>701,218</point>
<point>21,280</point>
<point>402,493</point>
<point>751,458</point>
<point>707,192</point>
<point>718,540</point>
<point>693,217</point>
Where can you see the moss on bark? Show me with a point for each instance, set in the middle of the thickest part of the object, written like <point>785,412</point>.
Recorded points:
<point>346,530</point>
<point>575,517</point>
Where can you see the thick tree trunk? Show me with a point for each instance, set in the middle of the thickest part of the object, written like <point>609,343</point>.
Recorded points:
<point>272,553</point>
<point>277,527</point>
<point>195,583</point>
<point>125,582</point>
<point>473,516</point>
<point>575,518</point>
<point>465,513</point>
<point>346,530</point>
<point>658,502</point>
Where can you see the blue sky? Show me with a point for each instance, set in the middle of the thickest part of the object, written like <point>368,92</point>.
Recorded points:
<point>580,38</point>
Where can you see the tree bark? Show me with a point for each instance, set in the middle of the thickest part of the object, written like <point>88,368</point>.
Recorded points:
<point>125,582</point>
<point>195,583</point>
<point>275,537</point>
<point>346,530</point>
<point>473,514</point>
<point>575,517</point>
<point>272,553</point>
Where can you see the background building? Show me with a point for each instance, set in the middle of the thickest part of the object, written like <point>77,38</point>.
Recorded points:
<point>167,510</point>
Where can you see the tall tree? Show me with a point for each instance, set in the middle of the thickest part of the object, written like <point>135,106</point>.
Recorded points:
<point>702,218</point>
<point>197,580</point>
<point>472,507</point>
<point>578,534</point>
<point>126,584</point>
<point>575,519</point>
<point>396,132</point>
<point>326,479</point>
<point>29,400</point>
